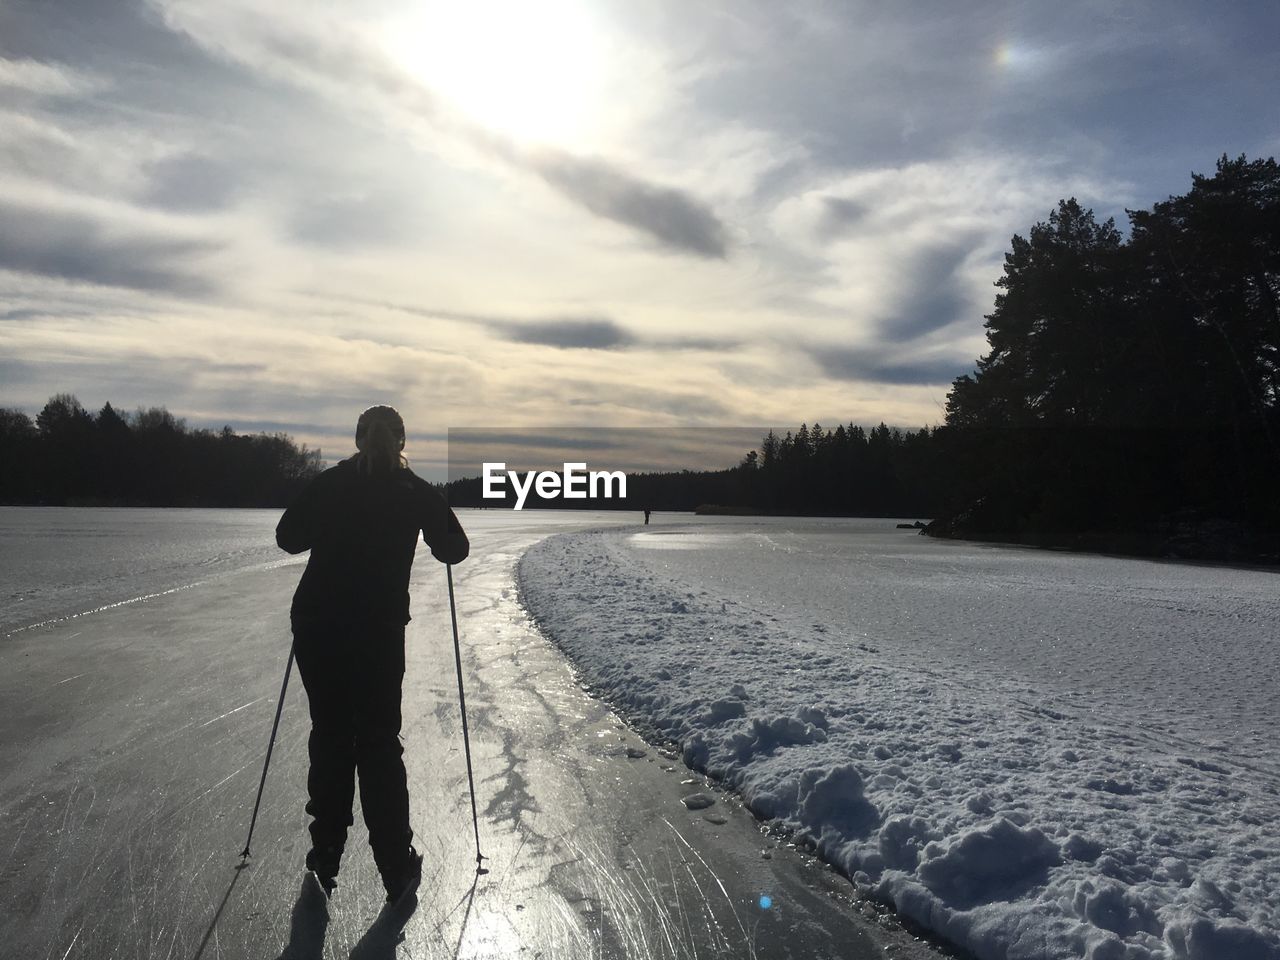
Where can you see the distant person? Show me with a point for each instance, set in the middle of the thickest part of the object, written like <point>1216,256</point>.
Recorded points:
<point>361,520</point>
<point>646,516</point>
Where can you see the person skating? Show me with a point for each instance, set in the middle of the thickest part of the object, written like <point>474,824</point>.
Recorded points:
<point>361,520</point>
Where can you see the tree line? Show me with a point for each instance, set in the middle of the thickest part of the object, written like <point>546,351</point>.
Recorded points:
<point>68,455</point>
<point>1129,398</point>
<point>848,471</point>
<point>1132,386</point>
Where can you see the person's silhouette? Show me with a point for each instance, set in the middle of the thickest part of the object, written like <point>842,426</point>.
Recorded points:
<point>361,520</point>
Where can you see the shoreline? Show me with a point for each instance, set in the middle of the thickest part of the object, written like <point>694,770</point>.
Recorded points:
<point>1257,553</point>
<point>1135,546</point>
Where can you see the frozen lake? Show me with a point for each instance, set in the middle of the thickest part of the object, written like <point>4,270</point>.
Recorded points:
<point>1176,650</point>
<point>133,737</point>
<point>1126,704</point>
<point>63,561</point>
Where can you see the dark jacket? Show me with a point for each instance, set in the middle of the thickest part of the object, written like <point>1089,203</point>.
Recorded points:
<point>362,531</point>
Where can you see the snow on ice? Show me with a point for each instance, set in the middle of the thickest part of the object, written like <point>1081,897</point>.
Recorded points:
<point>1005,826</point>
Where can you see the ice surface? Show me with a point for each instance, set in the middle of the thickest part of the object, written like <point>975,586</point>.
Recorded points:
<point>67,561</point>
<point>1110,795</point>
<point>132,744</point>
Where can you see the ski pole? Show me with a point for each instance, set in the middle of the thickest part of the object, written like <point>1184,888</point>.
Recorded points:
<point>244,854</point>
<point>462,702</point>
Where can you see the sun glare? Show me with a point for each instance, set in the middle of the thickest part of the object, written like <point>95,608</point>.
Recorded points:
<point>1018,57</point>
<point>530,71</point>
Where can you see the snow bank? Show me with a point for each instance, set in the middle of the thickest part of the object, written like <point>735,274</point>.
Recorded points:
<point>987,817</point>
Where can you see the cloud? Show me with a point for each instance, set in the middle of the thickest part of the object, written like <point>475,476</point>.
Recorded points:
<point>717,344</point>
<point>215,365</point>
<point>567,334</point>
<point>900,260</point>
<point>23,313</point>
<point>359,217</point>
<point>190,183</point>
<point>315,58</point>
<point>876,365</point>
<point>125,377</point>
<point>563,332</point>
<point>45,79</point>
<point>632,449</point>
<point>673,217</point>
<point>780,211</point>
<point>839,214</point>
<point>684,406</point>
<point>602,334</point>
<point>79,246</point>
<point>934,292</point>
<point>566,438</point>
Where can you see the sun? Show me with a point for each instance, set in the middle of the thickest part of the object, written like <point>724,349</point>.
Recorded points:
<point>529,70</point>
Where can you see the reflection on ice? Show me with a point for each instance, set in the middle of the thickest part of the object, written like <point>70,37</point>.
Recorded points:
<point>690,540</point>
<point>489,934</point>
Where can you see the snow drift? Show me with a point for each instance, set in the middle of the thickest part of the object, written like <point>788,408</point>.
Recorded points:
<point>982,814</point>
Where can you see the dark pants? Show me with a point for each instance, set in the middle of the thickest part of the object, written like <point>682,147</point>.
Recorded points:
<point>352,674</point>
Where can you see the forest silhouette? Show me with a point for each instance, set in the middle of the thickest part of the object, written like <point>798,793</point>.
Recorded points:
<point>1130,397</point>
<point>1129,400</point>
<point>69,456</point>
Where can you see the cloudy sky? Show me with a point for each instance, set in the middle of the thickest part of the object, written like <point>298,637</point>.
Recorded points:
<point>516,214</point>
